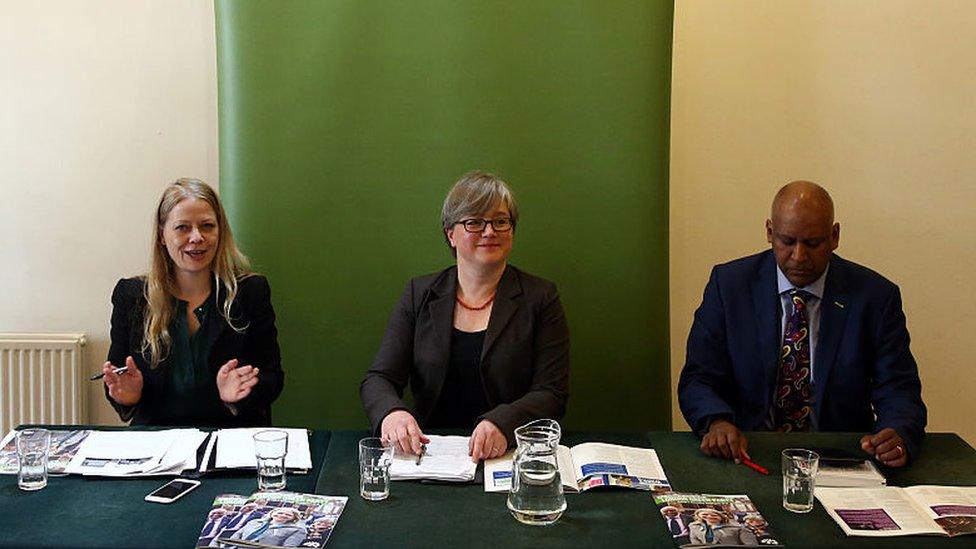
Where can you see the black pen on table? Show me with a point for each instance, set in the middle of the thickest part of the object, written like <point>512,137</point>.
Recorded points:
<point>115,371</point>
<point>423,450</point>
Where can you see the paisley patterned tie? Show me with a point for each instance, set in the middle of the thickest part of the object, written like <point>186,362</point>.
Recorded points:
<point>793,403</point>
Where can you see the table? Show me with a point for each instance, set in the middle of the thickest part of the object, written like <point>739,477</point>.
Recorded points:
<point>425,515</point>
<point>78,512</point>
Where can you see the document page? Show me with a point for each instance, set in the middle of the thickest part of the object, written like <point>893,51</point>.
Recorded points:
<point>951,507</point>
<point>876,512</point>
<point>498,471</point>
<point>446,459</point>
<point>600,464</point>
<point>235,449</point>
<point>121,453</point>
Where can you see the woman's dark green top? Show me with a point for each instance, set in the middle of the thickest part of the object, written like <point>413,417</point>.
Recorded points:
<point>188,395</point>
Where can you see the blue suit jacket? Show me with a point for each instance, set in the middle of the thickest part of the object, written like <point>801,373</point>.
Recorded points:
<point>865,378</point>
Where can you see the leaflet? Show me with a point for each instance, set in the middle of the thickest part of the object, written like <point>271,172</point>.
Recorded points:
<point>235,449</point>
<point>590,465</point>
<point>890,511</point>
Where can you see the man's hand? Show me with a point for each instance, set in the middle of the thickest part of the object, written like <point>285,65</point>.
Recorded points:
<point>724,440</point>
<point>233,383</point>
<point>486,442</point>
<point>124,388</point>
<point>886,446</point>
<point>401,428</point>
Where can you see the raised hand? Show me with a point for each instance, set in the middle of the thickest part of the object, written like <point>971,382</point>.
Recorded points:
<point>124,388</point>
<point>235,383</point>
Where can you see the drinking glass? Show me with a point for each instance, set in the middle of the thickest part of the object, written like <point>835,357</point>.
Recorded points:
<point>375,458</point>
<point>270,449</point>
<point>799,474</point>
<point>33,446</point>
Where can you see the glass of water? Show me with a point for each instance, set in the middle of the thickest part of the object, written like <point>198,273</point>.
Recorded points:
<point>270,448</point>
<point>799,474</point>
<point>32,451</point>
<point>375,458</point>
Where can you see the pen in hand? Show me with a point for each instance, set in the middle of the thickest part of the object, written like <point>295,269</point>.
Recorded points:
<point>423,451</point>
<point>116,371</point>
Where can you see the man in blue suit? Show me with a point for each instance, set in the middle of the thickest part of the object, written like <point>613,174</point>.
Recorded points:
<point>797,339</point>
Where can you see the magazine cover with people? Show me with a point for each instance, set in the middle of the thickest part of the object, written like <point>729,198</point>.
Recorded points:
<point>64,446</point>
<point>709,520</point>
<point>271,519</point>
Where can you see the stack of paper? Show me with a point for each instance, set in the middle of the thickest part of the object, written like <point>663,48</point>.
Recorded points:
<point>137,453</point>
<point>235,449</point>
<point>446,459</point>
<point>852,474</point>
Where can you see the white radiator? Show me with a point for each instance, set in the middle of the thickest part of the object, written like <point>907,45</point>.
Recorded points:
<point>42,380</point>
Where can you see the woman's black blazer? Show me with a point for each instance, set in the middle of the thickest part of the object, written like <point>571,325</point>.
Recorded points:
<point>257,346</point>
<point>524,360</point>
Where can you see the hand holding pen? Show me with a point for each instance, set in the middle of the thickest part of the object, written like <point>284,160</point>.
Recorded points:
<point>124,384</point>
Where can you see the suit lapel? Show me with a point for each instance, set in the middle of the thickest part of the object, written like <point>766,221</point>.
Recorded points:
<point>765,300</point>
<point>833,317</point>
<point>504,308</point>
<point>216,321</point>
<point>441,318</point>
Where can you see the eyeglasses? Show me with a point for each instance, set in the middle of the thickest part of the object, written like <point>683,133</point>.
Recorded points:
<point>500,225</point>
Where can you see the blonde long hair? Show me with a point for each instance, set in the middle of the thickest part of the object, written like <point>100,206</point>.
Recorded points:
<point>229,266</point>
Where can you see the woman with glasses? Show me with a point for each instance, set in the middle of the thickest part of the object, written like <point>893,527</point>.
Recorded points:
<point>483,345</point>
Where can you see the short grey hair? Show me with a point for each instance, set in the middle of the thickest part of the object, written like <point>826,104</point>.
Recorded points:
<point>474,194</point>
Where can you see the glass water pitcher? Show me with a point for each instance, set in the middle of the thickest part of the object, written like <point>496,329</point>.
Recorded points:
<point>537,496</point>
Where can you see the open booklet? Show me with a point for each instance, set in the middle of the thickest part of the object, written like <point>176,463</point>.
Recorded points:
<point>271,519</point>
<point>446,459</point>
<point>891,511</point>
<point>711,520</point>
<point>590,465</point>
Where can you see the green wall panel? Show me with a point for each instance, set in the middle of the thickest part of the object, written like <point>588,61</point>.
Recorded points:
<point>344,123</point>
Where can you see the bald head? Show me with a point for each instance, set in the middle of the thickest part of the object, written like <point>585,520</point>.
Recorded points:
<point>804,195</point>
<point>802,231</point>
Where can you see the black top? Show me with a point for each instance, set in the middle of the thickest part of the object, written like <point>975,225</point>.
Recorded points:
<point>524,360</point>
<point>215,343</point>
<point>462,399</point>
<point>186,396</point>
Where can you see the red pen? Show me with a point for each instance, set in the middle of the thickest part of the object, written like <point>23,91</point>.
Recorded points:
<point>754,466</point>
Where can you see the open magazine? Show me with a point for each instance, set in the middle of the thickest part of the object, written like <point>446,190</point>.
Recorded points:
<point>271,519</point>
<point>64,446</point>
<point>891,511</point>
<point>709,520</point>
<point>590,465</point>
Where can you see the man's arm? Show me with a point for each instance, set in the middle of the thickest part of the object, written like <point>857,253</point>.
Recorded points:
<point>707,369</point>
<point>896,392</point>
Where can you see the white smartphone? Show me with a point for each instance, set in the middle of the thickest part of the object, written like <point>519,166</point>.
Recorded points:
<point>172,490</point>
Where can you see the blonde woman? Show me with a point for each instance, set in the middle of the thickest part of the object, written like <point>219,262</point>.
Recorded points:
<point>197,333</point>
<point>483,345</point>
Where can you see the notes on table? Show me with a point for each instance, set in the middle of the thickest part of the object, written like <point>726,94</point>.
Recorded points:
<point>446,459</point>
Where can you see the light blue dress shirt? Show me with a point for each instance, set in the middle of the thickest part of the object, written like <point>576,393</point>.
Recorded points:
<point>813,310</point>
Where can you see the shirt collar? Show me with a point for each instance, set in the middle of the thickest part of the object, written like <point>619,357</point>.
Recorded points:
<point>816,287</point>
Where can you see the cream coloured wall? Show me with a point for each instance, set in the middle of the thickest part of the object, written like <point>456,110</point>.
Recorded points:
<point>102,104</point>
<point>872,99</point>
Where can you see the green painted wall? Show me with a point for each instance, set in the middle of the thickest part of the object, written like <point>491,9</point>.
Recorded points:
<point>344,123</point>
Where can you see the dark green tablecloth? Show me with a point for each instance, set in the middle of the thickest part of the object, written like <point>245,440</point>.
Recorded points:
<point>424,515</point>
<point>81,512</point>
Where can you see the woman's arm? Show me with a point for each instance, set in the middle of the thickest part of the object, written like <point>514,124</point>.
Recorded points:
<point>261,348</point>
<point>382,390</point>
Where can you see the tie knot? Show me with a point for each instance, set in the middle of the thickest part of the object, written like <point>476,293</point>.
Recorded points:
<point>802,295</point>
